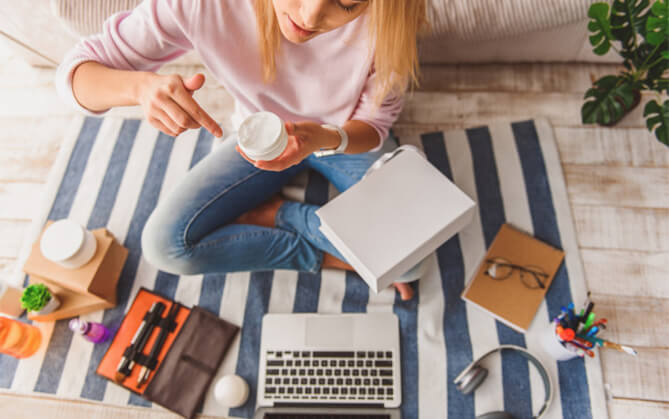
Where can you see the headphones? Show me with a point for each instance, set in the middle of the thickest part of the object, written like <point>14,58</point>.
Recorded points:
<point>474,374</point>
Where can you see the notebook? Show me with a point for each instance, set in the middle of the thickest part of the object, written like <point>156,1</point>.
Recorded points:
<point>395,216</point>
<point>509,300</point>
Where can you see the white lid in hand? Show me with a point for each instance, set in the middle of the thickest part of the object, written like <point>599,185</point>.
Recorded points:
<point>62,240</point>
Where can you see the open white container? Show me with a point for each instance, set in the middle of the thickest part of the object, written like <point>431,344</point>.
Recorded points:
<point>68,244</point>
<point>262,136</point>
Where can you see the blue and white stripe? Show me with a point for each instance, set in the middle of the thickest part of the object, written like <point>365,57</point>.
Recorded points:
<point>112,172</point>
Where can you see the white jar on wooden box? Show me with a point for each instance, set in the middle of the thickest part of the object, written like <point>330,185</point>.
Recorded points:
<point>68,244</point>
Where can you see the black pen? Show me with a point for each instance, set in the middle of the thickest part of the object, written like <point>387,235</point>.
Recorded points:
<point>158,344</point>
<point>138,340</point>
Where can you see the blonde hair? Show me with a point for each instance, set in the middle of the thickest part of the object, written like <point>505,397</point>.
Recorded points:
<point>394,27</point>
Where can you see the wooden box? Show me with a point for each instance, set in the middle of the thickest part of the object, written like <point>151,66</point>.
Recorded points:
<point>89,288</point>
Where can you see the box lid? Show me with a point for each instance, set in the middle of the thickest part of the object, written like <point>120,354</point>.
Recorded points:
<point>390,214</point>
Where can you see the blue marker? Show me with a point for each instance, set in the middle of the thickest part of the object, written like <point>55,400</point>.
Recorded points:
<point>593,331</point>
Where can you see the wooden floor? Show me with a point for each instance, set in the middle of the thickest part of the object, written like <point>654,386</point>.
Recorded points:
<point>617,180</point>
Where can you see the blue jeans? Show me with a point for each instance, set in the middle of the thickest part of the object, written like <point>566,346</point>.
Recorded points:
<point>190,231</point>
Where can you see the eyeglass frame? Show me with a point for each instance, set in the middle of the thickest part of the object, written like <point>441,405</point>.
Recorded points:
<point>521,268</point>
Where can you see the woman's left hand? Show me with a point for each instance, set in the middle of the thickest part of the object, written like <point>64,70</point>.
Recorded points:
<point>303,139</point>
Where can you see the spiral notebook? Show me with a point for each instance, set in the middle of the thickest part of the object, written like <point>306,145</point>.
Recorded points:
<point>509,300</point>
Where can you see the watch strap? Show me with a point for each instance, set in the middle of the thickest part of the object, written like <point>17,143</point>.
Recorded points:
<point>342,145</point>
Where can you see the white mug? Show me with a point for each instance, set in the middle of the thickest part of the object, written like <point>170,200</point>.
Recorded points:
<point>554,347</point>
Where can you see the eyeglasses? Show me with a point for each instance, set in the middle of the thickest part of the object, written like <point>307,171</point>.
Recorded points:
<point>531,276</point>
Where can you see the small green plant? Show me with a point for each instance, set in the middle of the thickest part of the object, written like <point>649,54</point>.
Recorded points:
<point>643,35</point>
<point>35,297</point>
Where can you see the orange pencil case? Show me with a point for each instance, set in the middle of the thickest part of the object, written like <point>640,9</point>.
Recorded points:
<point>187,361</point>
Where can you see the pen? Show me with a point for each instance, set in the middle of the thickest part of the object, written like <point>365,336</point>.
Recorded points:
<point>583,342</point>
<point>125,365</point>
<point>565,334</point>
<point>619,347</point>
<point>588,310</point>
<point>158,344</point>
<point>590,320</point>
<point>593,331</point>
<point>581,351</point>
<point>601,323</point>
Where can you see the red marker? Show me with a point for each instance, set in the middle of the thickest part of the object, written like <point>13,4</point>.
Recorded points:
<point>566,334</point>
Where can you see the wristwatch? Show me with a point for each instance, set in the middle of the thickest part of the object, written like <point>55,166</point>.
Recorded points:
<point>342,145</point>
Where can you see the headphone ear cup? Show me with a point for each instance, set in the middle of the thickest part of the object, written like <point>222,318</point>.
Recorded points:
<point>476,377</point>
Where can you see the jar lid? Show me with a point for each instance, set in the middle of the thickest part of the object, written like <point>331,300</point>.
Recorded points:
<point>62,240</point>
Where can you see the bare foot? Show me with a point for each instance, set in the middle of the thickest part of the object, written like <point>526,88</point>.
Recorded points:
<point>262,215</point>
<point>405,290</point>
<point>265,214</point>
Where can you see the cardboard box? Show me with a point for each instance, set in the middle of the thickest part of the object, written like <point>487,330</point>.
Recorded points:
<point>395,217</point>
<point>89,288</point>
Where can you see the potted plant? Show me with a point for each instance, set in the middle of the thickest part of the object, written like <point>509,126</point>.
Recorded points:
<point>643,36</point>
<point>39,299</point>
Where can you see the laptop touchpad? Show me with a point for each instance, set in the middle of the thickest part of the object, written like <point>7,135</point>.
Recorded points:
<point>329,332</point>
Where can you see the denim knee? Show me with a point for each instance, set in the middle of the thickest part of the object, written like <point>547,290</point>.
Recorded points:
<point>164,248</point>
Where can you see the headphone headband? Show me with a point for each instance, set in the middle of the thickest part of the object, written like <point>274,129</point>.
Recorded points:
<point>548,386</point>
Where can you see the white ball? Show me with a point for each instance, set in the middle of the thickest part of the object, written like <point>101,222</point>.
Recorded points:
<point>231,391</point>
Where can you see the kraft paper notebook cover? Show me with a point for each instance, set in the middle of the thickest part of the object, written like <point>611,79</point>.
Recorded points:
<point>508,300</point>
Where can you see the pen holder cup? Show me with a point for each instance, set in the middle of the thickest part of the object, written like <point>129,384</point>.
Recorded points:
<point>554,347</point>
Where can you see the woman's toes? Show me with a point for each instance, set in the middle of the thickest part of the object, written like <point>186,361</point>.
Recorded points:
<point>405,290</point>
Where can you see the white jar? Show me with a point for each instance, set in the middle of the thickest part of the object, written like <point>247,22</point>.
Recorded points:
<point>553,346</point>
<point>231,391</point>
<point>262,136</point>
<point>68,244</point>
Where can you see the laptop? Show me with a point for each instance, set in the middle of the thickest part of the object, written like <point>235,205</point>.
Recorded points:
<point>339,365</point>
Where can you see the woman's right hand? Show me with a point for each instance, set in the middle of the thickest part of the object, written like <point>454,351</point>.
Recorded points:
<point>167,101</point>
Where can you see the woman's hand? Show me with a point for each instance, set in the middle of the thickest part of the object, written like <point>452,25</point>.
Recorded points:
<point>168,104</point>
<point>303,139</point>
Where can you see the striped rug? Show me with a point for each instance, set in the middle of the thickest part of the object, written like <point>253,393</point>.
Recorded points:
<point>112,172</point>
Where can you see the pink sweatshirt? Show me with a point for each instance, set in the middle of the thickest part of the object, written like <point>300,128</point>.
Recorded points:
<point>328,79</point>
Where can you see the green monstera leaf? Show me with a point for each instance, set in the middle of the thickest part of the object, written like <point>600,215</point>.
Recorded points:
<point>657,26</point>
<point>659,120</point>
<point>600,27</point>
<point>607,101</point>
<point>628,21</point>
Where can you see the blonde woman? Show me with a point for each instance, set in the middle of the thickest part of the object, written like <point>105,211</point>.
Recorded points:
<point>344,63</point>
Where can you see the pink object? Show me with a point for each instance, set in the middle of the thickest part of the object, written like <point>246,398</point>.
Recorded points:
<point>328,79</point>
<point>95,332</point>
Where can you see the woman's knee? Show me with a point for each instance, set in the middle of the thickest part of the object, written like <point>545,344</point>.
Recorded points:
<point>164,248</point>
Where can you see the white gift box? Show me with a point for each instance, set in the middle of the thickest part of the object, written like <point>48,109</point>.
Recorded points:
<point>395,216</point>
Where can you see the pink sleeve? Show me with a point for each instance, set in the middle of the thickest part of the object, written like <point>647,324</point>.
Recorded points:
<point>155,32</point>
<point>385,115</point>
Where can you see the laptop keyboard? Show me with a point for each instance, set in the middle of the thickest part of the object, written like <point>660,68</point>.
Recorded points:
<point>328,375</point>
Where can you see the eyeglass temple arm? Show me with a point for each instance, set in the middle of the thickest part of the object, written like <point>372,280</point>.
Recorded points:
<point>511,265</point>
